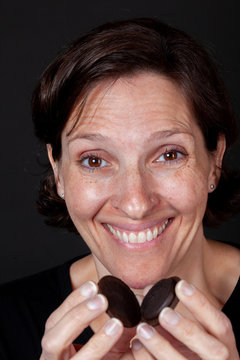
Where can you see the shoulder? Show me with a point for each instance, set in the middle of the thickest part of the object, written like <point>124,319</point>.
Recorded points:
<point>45,284</point>
<point>223,265</point>
<point>230,258</point>
<point>23,296</point>
<point>227,256</point>
<point>27,286</point>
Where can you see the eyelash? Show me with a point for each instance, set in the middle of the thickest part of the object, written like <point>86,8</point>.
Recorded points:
<point>165,162</point>
<point>170,161</point>
<point>88,157</point>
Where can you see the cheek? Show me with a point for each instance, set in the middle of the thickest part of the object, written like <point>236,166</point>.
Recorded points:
<point>186,190</point>
<point>84,197</point>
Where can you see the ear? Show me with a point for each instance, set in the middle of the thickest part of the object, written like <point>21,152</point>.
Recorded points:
<point>217,157</point>
<point>56,170</point>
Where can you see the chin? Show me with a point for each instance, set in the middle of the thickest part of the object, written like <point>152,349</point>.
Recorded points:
<point>137,282</point>
<point>138,276</point>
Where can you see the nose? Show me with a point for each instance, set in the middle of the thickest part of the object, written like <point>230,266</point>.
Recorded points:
<point>134,195</point>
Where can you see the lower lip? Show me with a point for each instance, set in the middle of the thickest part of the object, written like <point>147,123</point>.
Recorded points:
<point>140,246</point>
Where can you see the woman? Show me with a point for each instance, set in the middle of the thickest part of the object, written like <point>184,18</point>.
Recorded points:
<point>136,122</point>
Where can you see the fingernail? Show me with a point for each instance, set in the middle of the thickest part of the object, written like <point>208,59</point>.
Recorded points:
<point>145,330</point>
<point>96,302</point>
<point>112,327</point>
<point>88,289</point>
<point>169,316</point>
<point>185,288</point>
<point>136,345</point>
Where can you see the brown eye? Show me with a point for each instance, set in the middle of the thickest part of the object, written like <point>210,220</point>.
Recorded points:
<point>94,161</point>
<point>171,155</point>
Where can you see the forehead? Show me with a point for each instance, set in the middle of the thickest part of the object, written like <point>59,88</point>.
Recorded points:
<point>135,102</point>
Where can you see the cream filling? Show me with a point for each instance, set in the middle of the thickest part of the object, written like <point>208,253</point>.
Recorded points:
<point>138,237</point>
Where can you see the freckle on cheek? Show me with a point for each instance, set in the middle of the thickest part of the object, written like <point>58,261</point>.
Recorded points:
<point>90,182</point>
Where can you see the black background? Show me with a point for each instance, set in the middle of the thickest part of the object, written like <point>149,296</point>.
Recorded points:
<point>32,33</point>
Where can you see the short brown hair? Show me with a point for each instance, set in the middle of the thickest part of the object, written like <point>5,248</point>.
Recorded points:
<point>124,48</point>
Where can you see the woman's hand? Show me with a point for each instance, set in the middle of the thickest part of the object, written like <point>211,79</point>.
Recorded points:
<point>71,318</point>
<point>210,337</point>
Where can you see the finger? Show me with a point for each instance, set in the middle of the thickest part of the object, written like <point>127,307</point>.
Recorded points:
<point>193,336</point>
<point>127,356</point>
<point>212,319</point>
<point>87,290</point>
<point>157,345</point>
<point>58,339</point>
<point>101,343</point>
<point>140,352</point>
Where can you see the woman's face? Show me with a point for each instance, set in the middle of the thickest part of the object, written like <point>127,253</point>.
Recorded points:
<point>136,175</point>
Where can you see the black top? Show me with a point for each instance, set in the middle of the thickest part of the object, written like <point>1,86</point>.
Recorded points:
<point>27,303</point>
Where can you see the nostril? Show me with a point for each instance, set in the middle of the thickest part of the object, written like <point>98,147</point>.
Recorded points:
<point>139,206</point>
<point>134,196</point>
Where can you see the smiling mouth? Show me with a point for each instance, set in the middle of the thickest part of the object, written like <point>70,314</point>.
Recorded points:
<point>138,237</point>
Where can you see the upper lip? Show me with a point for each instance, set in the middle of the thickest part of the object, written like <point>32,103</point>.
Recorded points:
<point>138,227</point>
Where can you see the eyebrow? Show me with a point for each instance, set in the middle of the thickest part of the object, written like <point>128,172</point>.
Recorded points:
<point>89,136</point>
<point>161,134</point>
<point>167,133</point>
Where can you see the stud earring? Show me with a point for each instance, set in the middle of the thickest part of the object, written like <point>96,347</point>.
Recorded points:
<point>212,186</point>
<point>62,195</point>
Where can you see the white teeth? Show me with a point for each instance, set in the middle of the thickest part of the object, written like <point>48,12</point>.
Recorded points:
<point>119,235</point>
<point>132,238</point>
<point>155,232</point>
<point>140,237</point>
<point>149,235</point>
<point>125,237</point>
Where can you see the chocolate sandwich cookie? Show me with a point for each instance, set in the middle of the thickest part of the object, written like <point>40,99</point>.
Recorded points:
<point>162,294</point>
<point>123,304</point>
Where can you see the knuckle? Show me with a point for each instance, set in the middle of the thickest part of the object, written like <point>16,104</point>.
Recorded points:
<point>73,299</point>
<point>190,330</point>
<point>221,352</point>
<point>127,356</point>
<point>164,348</point>
<point>203,302</point>
<point>76,314</point>
<point>49,345</point>
<point>225,327</point>
<point>49,323</point>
